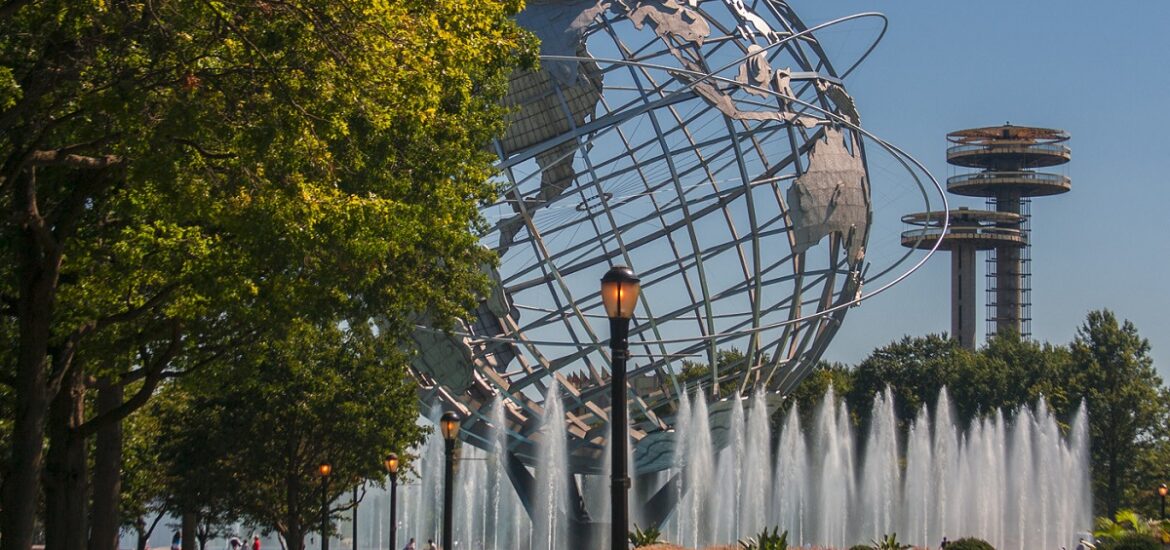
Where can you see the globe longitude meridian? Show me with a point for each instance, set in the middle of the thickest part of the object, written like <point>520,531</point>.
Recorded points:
<point>711,147</point>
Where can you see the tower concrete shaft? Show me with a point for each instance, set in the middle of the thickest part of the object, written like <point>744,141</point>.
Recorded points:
<point>963,295</point>
<point>970,231</point>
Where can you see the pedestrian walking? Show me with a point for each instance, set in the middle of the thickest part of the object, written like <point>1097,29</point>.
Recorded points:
<point>431,545</point>
<point>255,542</point>
<point>944,543</point>
<point>177,541</point>
<point>410,545</point>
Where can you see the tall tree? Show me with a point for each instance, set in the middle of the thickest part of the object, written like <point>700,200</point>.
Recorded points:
<point>914,368</point>
<point>1113,367</point>
<point>175,177</point>
<point>142,503</point>
<point>246,442</point>
<point>1010,371</point>
<point>809,393</point>
<point>1153,466</point>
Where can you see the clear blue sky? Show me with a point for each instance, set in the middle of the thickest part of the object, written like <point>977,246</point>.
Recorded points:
<point>1098,71</point>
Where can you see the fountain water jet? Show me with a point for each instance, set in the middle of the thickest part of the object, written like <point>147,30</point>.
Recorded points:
<point>552,477</point>
<point>1015,480</point>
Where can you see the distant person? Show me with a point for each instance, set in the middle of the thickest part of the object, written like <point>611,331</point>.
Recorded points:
<point>410,545</point>
<point>431,545</point>
<point>235,543</point>
<point>255,542</point>
<point>177,541</point>
<point>944,543</point>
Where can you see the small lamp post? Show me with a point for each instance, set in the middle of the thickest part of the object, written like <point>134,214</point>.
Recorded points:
<point>1162,493</point>
<point>392,467</point>
<point>324,469</point>
<point>619,293</point>
<point>450,425</point>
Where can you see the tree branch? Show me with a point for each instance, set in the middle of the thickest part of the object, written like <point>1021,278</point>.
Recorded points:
<point>150,383</point>
<point>135,312</point>
<point>61,157</point>
<point>203,152</point>
<point>63,358</point>
<point>27,213</point>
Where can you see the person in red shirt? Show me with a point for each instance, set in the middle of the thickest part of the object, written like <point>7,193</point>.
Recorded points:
<point>255,542</point>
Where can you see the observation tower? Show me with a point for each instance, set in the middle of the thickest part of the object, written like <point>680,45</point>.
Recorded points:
<point>1003,163</point>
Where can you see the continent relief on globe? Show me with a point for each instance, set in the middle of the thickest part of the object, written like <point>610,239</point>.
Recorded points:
<point>549,106</point>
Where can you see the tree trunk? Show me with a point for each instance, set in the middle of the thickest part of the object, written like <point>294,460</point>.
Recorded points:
<point>107,475</point>
<point>295,533</point>
<point>143,534</point>
<point>65,480</point>
<point>38,271</point>
<point>189,521</point>
<point>20,491</point>
<point>294,537</point>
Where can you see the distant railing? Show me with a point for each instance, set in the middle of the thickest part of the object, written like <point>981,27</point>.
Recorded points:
<point>1049,148</point>
<point>1039,177</point>
<point>932,233</point>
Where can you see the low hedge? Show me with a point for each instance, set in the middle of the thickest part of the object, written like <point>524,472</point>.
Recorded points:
<point>1134,541</point>
<point>970,543</point>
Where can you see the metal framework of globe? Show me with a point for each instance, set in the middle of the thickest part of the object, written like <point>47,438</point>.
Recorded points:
<point>712,147</point>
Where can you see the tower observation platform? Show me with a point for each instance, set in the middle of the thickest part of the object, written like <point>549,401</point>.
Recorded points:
<point>1003,162</point>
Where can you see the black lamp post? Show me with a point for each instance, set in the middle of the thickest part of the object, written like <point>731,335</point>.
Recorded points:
<point>325,469</point>
<point>619,293</point>
<point>1162,493</point>
<point>392,467</point>
<point>450,425</point>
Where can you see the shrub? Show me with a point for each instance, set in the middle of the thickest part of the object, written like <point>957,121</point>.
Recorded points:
<point>1135,541</point>
<point>640,538</point>
<point>970,544</point>
<point>767,541</point>
<point>889,542</point>
<point>861,547</point>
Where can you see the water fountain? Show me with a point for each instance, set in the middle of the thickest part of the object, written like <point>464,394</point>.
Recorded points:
<point>1014,479</point>
<point>550,523</point>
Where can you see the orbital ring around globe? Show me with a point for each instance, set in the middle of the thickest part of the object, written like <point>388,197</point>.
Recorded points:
<point>740,195</point>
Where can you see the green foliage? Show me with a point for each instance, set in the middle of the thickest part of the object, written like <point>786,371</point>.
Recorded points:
<point>1133,541</point>
<point>775,540</point>
<point>1123,523</point>
<point>1114,370</point>
<point>809,393</point>
<point>256,171</point>
<point>178,178</point>
<point>861,547</point>
<point>1012,371</point>
<point>144,481</point>
<point>9,89</point>
<point>731,362</point>
<point>1107,367</point>
<point>693,372</point>
<point>640,538</point>
<point>248,440</point>
<point>890,542</point>
<point>916,369</point>
<point>970,543</point>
